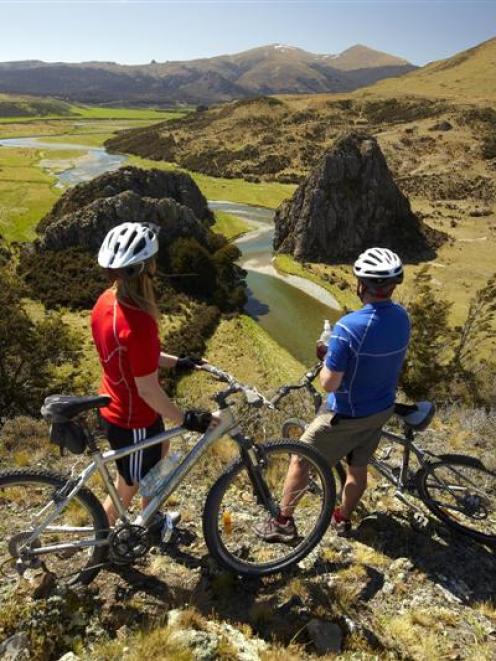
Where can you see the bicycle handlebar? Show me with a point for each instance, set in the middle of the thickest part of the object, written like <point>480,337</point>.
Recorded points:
<point>252,395</point>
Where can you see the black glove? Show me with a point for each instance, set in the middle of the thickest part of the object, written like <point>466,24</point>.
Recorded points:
<point>187,363</point>
<point>197,420</point>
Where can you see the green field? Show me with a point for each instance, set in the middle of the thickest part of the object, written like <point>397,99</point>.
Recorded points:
<point>26,192</point>
<point>230,226</point>
<point>99,113</point>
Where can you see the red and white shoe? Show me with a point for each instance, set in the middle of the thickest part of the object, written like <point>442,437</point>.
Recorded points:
<point>341,525</point>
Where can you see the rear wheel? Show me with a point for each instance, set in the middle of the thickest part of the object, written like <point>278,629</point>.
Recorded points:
<point>233,509</point>
<point>27,499</point>
<point>462,493</point>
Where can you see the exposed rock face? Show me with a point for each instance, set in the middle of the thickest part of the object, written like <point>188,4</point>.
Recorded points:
<point>86,227</point>
<point>155,184</point>
<point>350,202</point>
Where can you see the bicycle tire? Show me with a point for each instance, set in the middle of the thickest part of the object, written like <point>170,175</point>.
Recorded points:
<point>84,497</point>
<point>456,464</point>
<point>214,501</point>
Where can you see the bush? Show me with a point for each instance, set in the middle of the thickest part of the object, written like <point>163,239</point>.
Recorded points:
<point>445,363</point>
<point>192,261</point>
<point>69,278</point>
<point>489,147</point>
<point>32,353</point>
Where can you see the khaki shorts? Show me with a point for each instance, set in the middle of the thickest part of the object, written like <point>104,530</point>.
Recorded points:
<point>355,438</point>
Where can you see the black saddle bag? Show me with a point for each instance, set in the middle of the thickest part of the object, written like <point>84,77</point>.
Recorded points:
<point>70,436</point>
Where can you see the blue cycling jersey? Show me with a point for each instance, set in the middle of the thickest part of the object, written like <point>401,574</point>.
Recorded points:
<point>369,346</point>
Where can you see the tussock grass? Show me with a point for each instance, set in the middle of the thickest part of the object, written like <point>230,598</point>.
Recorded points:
<point>160,644</point>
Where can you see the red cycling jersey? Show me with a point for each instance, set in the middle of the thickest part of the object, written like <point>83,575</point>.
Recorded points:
<point>128,345</point>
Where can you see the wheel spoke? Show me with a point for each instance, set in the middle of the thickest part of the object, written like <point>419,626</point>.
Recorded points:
<point>67,545</point>
<point>463,495</point>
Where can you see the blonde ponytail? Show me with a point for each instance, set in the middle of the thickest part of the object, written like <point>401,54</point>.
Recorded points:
<point>138,291</point>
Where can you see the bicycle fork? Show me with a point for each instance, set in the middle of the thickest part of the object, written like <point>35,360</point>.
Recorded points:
<point>251,459</point>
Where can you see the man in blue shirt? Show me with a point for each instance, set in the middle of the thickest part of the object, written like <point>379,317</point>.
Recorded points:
<point>361,370</point>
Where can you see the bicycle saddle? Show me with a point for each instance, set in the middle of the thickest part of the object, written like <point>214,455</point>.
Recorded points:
<point>416,416</point>
<point>61,408</point>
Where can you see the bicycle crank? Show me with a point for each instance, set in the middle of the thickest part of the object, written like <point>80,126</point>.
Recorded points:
<point>129,543</point>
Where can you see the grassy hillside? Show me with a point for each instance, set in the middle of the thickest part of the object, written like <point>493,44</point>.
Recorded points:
<point>393,591</point>
<point>13,106</point>
<point>465,77</point>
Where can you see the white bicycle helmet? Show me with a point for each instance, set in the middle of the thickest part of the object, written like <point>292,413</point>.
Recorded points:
<point>126,245</point>
<point>379,266</point>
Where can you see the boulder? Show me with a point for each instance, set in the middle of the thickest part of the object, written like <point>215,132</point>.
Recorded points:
<point>154,183</point>
<point>348,203</point>
<point>326,636</point>
<point>15,648</point>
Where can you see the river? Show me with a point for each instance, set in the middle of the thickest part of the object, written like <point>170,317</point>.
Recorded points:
<point>289,308</point>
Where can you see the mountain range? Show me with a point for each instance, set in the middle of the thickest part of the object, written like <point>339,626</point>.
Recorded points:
<point>272,69</point>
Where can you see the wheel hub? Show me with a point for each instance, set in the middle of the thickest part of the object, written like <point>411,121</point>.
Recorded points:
<point>472,504</point>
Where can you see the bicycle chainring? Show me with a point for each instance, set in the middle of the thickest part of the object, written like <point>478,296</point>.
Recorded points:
<point>128,543</point>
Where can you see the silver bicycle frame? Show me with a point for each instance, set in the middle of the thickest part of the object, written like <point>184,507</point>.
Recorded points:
<point>99,463</point>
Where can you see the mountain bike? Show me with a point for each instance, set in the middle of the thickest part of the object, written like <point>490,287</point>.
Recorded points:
<point>55,523</point>
<point>458,489</point>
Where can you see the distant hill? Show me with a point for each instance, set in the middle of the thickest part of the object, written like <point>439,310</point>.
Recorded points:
<point>29,106</point>
<point>272,69</point>
<point>467,76</point>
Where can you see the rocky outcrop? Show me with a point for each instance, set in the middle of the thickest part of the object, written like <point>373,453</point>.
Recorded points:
<point>155,184</point>
<point>348,203</point>
<point>86,227</point>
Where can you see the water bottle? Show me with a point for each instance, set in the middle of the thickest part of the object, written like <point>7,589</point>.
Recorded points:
<point>323,341</point>
<point>155,479</point>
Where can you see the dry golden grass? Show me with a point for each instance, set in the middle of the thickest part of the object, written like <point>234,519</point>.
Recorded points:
<point>488,609</point>
<point>467,76</point>
<point>365,555</point>
<point>160,644</point>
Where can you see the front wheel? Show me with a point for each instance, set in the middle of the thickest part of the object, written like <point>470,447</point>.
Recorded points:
<point>461,493</point>
<point>233,509</point>
<point>27,499</point>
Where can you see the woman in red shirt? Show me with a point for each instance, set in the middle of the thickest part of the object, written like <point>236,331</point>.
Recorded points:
<point>125,332</point>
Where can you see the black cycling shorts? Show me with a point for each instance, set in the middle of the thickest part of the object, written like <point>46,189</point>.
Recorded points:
<point>135,466</point>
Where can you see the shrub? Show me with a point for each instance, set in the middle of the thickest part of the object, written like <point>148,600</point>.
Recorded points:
<point>489,147</point>
<point>69,278</point>
<point>32,353</point>
<point>426,362</point>
<point>446,363</point>
<point>191,260</point>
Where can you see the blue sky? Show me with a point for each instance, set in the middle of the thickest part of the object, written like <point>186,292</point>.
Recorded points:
<point>136,31</point>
